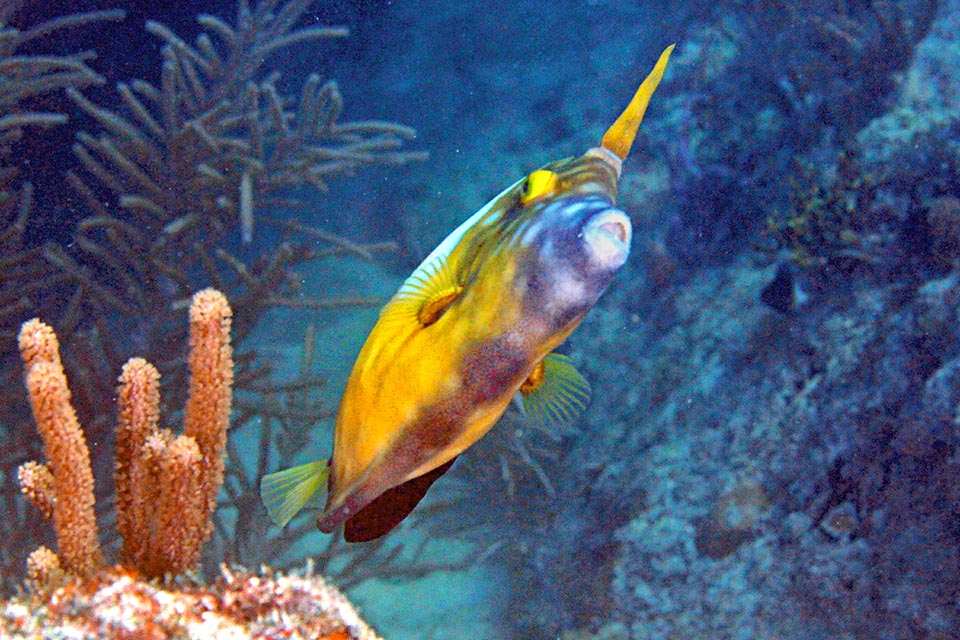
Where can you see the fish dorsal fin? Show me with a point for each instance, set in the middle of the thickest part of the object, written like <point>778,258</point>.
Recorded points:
<point>555,393</point>
<point>285,492</point>
<point>426,294</point>
<point>619,137</point>
<point>390,507</point>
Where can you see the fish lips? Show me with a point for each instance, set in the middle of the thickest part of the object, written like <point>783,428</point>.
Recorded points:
<point>606,239</point>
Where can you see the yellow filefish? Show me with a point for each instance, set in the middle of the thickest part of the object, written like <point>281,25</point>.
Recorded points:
<point>473,326</point>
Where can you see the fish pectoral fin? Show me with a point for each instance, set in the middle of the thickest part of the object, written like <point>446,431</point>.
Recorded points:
<point>389,509</point>
<point>555,393</point>
<point>285,493</point>
<point>426,294</point>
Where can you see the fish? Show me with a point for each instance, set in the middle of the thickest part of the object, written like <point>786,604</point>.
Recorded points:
<point>473,327</point>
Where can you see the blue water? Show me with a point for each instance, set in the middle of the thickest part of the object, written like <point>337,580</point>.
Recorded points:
<point>771,446</point>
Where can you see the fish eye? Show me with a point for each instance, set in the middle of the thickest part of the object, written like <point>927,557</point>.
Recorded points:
<point>539,184</point>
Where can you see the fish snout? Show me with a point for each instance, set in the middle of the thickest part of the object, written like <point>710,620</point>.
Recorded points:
<point>606,239</point>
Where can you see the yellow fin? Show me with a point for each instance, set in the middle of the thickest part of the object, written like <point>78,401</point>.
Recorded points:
<point>619,137</point>
<point>426,294</point>
<point>285,492</point>
<point>555,393</point>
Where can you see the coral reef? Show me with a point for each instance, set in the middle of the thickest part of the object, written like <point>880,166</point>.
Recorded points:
<point>166,493</point>
<point>239,604</point>
<point>168,182</point>
<point>774,112</point>
<point>842,414</point>
<point>166,486</point>
<point>817,140</point>
<point>796,82</point>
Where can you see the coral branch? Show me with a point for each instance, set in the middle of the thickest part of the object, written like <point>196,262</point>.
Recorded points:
<point>38,343</point>
<point>139,413</point>
<point>207,414</point>
<point>36,482</point>
<point>180,522</point>
<point>66,450</point>
<point>25,77</point>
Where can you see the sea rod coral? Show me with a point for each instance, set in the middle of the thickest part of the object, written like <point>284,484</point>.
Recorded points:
<point>166,490</point>
<point>110,262</point>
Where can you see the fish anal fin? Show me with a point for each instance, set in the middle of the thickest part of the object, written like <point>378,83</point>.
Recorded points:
<point>390,507</point>
<point>555,393</point>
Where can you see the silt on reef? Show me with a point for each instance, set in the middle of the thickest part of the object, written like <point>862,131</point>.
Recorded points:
<point>239,605</point>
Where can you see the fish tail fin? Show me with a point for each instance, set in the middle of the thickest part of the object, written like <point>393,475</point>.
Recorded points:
<point>619,137</point>
<point>285,492</point>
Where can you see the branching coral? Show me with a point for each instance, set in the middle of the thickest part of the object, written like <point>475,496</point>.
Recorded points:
<point>216,139</point>
<point>178,171</point>
<point>23,76</point>
<point>187,162</point>
<point>223,142</point>
<point>166,486</point>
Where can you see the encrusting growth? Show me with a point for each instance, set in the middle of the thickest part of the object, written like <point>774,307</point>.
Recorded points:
<point>166,485</point>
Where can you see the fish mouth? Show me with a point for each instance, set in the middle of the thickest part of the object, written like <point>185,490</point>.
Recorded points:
<point>606,237</point>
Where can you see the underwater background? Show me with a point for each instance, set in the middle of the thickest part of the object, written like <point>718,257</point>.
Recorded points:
<point>771,447</point>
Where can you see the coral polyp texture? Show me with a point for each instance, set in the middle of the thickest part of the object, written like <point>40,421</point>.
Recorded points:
<point>116,603</point>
